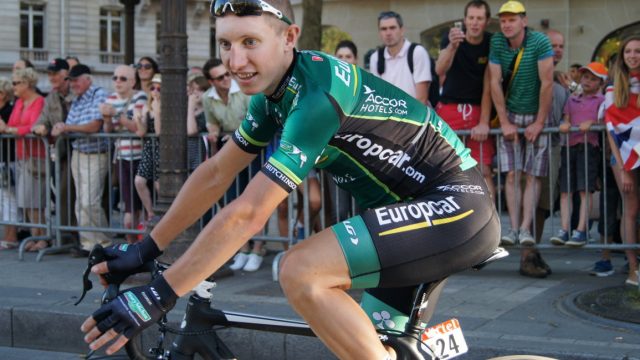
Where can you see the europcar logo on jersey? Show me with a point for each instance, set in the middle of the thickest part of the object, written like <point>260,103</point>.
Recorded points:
<point>397,158</point>
<point>294,152</point>
<point>379,104</point>
<point>422,210</point>
<point>136,306</point>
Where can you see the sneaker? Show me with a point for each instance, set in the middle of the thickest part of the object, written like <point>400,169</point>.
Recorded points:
<point>578,238</point>
<point>560,238</point>
<point>634,280</point>
<point>239,261</point>
<point>602,268</point>
<point>254,262</point>
<point>529,268</point>
<point>525,237</point>
<point>509,239</point>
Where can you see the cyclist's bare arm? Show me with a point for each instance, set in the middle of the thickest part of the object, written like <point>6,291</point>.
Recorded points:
<point>201,190</point>
<point>226,232</point>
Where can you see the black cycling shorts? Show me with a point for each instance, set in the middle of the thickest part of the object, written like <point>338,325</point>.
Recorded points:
<point>453,227</point>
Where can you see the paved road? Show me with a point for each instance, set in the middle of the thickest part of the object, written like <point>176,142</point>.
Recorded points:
<point>500,311</point>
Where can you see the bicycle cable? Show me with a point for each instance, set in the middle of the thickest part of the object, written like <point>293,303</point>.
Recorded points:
<point>190,333</point>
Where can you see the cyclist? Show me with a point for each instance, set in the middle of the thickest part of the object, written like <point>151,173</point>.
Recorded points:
<point>429,211</point>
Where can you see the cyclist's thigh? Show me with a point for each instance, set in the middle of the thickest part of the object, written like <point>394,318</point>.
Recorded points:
<point>449,229</point>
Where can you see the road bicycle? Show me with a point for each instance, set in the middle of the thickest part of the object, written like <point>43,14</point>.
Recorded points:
<point>198,332</point>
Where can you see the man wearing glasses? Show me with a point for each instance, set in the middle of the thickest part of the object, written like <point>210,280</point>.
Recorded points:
<point>429,212</point>
<point>224,104</point>
<point>397,69</point>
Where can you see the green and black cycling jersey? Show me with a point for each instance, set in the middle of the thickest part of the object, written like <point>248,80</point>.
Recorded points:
<point>379,143</point>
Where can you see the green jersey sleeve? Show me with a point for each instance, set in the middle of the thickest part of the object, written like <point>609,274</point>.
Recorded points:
<point>257,128</point>
<point>309,127</point>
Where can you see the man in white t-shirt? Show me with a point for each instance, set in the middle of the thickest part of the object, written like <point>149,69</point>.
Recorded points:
<point>396,65</point>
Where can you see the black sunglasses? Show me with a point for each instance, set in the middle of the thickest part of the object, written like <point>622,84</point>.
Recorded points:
<point>246,8</point>
<point>144,66</point>
<point>221,77</point>
<point>121,78</point>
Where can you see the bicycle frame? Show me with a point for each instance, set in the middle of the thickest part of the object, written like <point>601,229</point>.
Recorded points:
<point>198,329</point>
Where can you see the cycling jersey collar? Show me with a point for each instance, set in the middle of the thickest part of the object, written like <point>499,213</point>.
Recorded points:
<point>282,86</point>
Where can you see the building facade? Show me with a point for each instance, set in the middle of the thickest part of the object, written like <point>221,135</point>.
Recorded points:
<point>93,30</point>
<point>586,24</point>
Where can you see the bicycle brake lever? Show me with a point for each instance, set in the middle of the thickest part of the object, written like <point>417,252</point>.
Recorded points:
<point>96,256</point>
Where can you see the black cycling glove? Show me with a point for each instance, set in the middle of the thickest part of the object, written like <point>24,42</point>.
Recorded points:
<point>136,309</point>
<point>127,259</point>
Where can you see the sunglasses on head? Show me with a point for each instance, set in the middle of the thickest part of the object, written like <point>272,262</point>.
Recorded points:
<point>121,78</point>
<point>146,66</point>
<point>221,77</point>
<point>246,8</point>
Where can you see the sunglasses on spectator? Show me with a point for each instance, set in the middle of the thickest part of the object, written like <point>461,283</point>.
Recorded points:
<point>245,8</point>
<point>121,78</point>
<point>16,83</point>
<point>155,88</point>
<point>146,66</point>
<point>221,77</point>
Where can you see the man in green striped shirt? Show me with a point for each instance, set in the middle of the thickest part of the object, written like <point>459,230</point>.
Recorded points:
<point>524,106</point>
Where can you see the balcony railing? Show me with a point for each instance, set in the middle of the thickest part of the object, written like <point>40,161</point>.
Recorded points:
<point>111,58</point>
<point>36,55</point>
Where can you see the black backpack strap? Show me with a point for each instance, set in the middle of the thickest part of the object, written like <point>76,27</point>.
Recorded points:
<point>380,60</point>
<point>412,47</point>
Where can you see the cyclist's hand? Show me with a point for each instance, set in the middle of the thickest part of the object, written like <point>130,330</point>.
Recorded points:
<point>128,314</point>
<point>126,259</point>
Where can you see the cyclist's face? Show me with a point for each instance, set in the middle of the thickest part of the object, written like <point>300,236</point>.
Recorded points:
<point>255,51</point>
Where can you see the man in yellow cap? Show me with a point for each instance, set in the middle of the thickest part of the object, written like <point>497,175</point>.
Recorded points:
<point>521,68</point>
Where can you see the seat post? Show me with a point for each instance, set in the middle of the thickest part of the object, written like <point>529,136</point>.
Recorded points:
<point>424,304</point>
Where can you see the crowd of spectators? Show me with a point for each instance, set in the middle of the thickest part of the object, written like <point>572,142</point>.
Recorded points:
<point>507,81</point>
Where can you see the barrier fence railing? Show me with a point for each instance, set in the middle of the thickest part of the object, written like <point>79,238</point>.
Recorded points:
<point>96,189</point>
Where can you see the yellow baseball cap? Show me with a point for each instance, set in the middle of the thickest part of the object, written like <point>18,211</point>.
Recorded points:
<point>512,7</point>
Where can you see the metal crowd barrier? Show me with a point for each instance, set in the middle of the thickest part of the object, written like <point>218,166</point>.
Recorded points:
<point>103,216</point>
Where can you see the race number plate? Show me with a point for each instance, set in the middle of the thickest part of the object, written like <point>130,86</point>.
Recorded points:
<point>445,340</point>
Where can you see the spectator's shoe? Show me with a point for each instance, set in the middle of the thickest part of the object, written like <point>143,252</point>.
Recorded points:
<point>529,268</point>
<point>560,238</point>
<point>578,238</point>
<point>633,280</point>
<point>602,268</point>
<point>525,237</point>
<point>509,239</point>
<point>542,264</point>
<point>239,261</point>
<point>254,262</point>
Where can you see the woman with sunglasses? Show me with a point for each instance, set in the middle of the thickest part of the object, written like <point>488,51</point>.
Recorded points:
<point>148,122</point>
<point>31,195</point>
<point>429,213</point>
<point>146,68</point>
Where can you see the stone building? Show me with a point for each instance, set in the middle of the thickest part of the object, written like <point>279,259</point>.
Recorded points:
<point>93,30</point>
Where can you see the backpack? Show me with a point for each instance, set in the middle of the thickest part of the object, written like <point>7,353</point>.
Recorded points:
<point>434,91</point>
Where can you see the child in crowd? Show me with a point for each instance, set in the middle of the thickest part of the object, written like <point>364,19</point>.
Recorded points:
<point>579,161</point>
